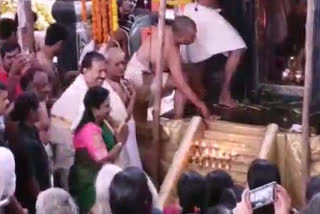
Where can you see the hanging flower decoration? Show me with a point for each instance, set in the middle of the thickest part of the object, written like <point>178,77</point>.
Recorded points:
<point>114,16</point>
<point>84,15</point>
<point>104,19</point>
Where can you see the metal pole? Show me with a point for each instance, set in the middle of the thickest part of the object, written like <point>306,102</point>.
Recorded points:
<point>157,95</point>
<point>305,143</point>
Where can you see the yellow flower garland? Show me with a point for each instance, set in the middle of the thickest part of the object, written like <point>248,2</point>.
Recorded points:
<point>115,24</point>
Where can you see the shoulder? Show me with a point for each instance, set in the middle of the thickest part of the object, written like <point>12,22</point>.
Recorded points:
<point>86,134</point>
<point>70,94</point>
<point>26,134</point>
<point>169,37</point>
<point>188,8</point>
<point>89,128</point>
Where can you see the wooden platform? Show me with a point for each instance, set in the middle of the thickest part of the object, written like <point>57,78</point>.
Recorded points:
<point>230,146</point>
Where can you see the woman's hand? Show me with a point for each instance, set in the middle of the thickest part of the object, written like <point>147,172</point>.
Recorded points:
<point>131,97</point>
<point>122,134</point>
<point>244,207</point>
<point>282,203</point>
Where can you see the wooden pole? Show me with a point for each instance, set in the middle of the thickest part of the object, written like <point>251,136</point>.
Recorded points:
<point>305,146</point>
<point>25,26</point>
<point>157,95</point>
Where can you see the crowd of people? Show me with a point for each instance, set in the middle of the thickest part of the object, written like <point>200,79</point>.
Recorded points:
<point>129,190</point>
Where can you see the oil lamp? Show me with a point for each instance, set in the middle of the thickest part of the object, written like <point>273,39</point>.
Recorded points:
<point>285,74</point>
<point>212,155</point>
<point>299,77</point>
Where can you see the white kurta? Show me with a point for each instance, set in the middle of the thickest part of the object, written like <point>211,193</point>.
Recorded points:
<point>129,155</point>
<point>214,34</point>
<point>66,115</point>
<point>66,112</point>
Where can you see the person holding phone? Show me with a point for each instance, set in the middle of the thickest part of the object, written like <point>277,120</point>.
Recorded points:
<point>282,202</point>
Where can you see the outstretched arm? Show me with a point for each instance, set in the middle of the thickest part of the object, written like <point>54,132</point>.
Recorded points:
<point>174,64</point>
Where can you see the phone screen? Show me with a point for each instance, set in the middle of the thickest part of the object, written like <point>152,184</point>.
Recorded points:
<point>263,195</point>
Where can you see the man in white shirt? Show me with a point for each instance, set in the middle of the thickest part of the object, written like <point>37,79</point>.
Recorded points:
<point>214,36</point>
<point>67,112</point>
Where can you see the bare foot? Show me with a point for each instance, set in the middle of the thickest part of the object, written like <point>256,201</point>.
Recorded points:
<point>228,101</point>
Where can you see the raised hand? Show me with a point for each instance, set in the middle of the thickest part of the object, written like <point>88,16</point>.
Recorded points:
<point>122,134</point>
<point>17,66</point>
<point>204,110</point>
<point>132,91</point>
<point>282,203</point>
<point>244,207</point>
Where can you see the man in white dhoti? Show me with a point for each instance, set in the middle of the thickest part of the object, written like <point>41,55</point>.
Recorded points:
<point>214,36</point>
<point>68,109</point>
<point>142,68</point>
<point>122,100</point>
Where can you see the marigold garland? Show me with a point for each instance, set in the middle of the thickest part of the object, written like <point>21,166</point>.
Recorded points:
<point>99,22</point>
<point>104,18</point>
<point>94,21</point>
<point>84,11</point>
<point>110,12</point>
<point>105,30</point>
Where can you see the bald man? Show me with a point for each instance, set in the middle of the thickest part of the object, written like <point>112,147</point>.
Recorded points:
<point>143,65</point>
<point>122,100</point>
<point>115,77</point>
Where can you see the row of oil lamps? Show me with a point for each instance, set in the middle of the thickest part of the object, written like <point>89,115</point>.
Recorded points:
<point>211,156</point>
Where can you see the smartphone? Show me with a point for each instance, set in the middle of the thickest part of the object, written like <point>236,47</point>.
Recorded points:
<point>263,195</point>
